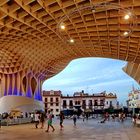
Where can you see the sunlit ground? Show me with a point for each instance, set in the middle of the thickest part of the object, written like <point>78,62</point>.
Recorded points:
<point>88,130</point>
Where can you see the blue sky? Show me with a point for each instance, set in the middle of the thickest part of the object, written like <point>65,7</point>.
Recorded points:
<point>93,75</point>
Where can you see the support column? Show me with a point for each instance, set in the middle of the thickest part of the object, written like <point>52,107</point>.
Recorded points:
<point>21,84</point>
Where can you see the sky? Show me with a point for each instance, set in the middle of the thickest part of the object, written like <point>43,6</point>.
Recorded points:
<point>93,75</point>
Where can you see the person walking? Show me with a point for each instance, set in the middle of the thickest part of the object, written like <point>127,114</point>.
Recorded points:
<point>42,120</point>
<point>74,119</point>
<point>0,120</point>
<point>61,120</point>
<point>50,116</point>
<point>134,119</point>
<point>83,115</point>
<point>32,117</point>
<point>37,117</point>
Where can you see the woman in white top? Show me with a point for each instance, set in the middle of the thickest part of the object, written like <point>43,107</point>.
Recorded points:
<point>36,119</point>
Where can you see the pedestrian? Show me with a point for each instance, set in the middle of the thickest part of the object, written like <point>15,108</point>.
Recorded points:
<point>42,120</point>
<point>122,117</point>
<point>105,118</point>
<point>61,120</point>
<point>26,114</point>
<point>49,117</point>
<point>32,117</point>
<point>74,119</point>
<point>119,116</point>
<point>37,118</point>
<point>87,115</point>
<point>83,115</point>
<point>113,117</point>
<point>0,120</point>
<point>134,119</point>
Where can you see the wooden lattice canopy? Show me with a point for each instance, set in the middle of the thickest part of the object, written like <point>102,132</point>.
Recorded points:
<point>30,38</point>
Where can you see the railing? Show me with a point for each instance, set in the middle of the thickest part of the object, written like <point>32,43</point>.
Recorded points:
<point>15,121</point>
<point>64,106</point>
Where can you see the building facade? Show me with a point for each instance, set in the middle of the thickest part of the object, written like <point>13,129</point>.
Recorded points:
<point>55,101</point>
<point>111,101</point>
<point>134,99</point>
<point>52,101</point>
<point>83,100</point>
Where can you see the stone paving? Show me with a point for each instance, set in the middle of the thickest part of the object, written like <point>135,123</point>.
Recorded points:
<point>88,130</point>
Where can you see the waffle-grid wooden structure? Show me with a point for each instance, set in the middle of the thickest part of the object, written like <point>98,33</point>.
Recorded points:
<point>32,49</point>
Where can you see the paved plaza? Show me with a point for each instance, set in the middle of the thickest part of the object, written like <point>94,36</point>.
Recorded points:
<point>88,130</point>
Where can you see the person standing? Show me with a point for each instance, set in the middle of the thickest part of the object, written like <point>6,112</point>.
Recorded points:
<point>61,120</point>
<point>50,116</point>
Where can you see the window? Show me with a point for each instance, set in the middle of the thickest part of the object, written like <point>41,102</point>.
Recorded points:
<point>57,110</point>
<point>57,100</point>
<point>46,110</point>
<point>64,104</point>
<point>57,104</point>
<point>84,104</point>
<point>52,110</point>
<point>101,102</point>
<point>71,103</point>
<point>51,99</point>
<point>90,102</point>
<point>46,105</point>
<point>110,104</point>
<point>95,102</point>
<point>78,102</point>
<point>46,100</point>
<point>107,102</point>
<point>51,104</point>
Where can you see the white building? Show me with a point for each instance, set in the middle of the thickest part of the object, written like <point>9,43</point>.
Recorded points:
<point>111,101</point>
<point>83,100</point>
<point>55,101</point>
<point>134,99</point>
<point>52,101</point>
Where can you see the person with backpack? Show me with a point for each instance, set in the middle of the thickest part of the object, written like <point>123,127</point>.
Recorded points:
<point>50,116</point>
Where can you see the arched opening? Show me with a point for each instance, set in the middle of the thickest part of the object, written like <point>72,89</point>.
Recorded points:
<point>92,76</point>
<point>24,83</point>
<point>33,85</point>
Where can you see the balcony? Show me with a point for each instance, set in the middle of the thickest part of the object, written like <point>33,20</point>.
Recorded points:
<point>71,107</point>
<point>95,104</point>
<point>64,106</point>
<point>102,104</point>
